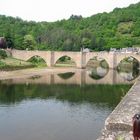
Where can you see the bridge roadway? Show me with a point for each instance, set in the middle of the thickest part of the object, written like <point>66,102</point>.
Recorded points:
<point>80,58</point>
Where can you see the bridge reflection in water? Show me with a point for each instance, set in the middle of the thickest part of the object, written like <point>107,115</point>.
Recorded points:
<point>97,75</point>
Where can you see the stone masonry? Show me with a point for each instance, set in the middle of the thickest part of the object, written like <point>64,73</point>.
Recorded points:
<point>81,58</point>
<point>118,125</point>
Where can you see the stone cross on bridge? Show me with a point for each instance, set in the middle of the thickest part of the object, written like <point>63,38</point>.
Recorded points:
<point>80,58</point>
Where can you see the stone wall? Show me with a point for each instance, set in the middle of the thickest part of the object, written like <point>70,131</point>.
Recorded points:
<point>118,125</point>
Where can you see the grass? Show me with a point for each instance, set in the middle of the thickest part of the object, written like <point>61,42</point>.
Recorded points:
<point>10,63</point>
<point>37,61</point>
<point>15,62</point>
<point>120,138</point>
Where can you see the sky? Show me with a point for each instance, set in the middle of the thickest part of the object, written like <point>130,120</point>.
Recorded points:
<point>53,10</point>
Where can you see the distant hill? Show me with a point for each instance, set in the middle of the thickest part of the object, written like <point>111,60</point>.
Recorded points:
<point>117,29</point>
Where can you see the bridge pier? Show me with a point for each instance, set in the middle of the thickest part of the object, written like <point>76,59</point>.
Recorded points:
<point>112,60</point>
<point>50,59</point>
<point>81,60</point>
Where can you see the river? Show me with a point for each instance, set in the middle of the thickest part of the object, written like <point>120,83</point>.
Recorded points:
<point>70,105</point>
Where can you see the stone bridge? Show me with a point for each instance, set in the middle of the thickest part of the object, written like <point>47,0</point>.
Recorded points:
<point>80,58</point>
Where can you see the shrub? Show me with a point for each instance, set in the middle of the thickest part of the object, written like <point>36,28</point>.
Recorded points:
<point>3,54</point>
<point>36,60</point>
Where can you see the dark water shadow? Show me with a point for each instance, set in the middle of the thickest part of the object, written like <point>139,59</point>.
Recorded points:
<point>66,75</point>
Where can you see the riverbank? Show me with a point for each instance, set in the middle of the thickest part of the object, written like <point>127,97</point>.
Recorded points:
<point>10,64</point>
<point>118,125</point>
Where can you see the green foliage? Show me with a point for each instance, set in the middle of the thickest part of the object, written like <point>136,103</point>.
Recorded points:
<point>64,59</point>
<point>2,54</point>
<point>125,28</point>
<point>9,64</point>
<point>66,75</point>
<point>38,61</point>
<point>119,28</point>
<point>71,93</point>
<point>120,138</point>
<point>9,41</point>
<point>2,64</point>
<point>29,42</point>
<point>104,64</point>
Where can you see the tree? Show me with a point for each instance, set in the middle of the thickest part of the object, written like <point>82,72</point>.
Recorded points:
<point>68,43</point>
<point>86,42</point>
<point>29,42</point>
<point>119,28</point>
<point>9,41</point>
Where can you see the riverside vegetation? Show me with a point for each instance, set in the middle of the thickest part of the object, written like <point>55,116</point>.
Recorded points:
<point>7,62</point>
<point>118,29</point>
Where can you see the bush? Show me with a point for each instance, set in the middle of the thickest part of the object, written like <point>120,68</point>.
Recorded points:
<point>36,60</point>
<point>2,64</point>
<point>3,54</point>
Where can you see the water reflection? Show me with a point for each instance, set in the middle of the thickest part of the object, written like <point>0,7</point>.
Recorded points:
<point>66,75</point>
<point>97,72</point>
<point>11,94</point>
<point>35,77</point>
<point>80,77</point>
<point>69,105</point>
<point>128,68</point>
<point>58,112</point>
<point>124,73</point>
<point>129,74</point>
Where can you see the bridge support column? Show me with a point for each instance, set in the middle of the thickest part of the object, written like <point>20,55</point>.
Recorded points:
<point>81,60</point>
<point>112,60</point>
<point>80,77</point>
<point>50,59</point>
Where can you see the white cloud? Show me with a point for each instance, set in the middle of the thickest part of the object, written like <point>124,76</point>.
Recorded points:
<point>52,10</point>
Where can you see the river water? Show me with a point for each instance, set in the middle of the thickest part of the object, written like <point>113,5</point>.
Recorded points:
<point>61,106</point>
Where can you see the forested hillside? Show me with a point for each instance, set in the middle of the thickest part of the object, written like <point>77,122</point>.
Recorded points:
<point>117,29</point>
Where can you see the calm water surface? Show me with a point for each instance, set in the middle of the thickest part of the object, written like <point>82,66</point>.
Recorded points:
<point>64,106</point>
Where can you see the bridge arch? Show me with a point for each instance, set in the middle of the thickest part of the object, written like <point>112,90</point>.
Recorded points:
<point>108,57</point>
<point>97,58</point>
<point>130,75</point>
<point>26,55</point>
<point>97,73</point>
<point>72,59</point>
<point>35,57</point>
<point>80,58</point>
<point>128,58</point>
